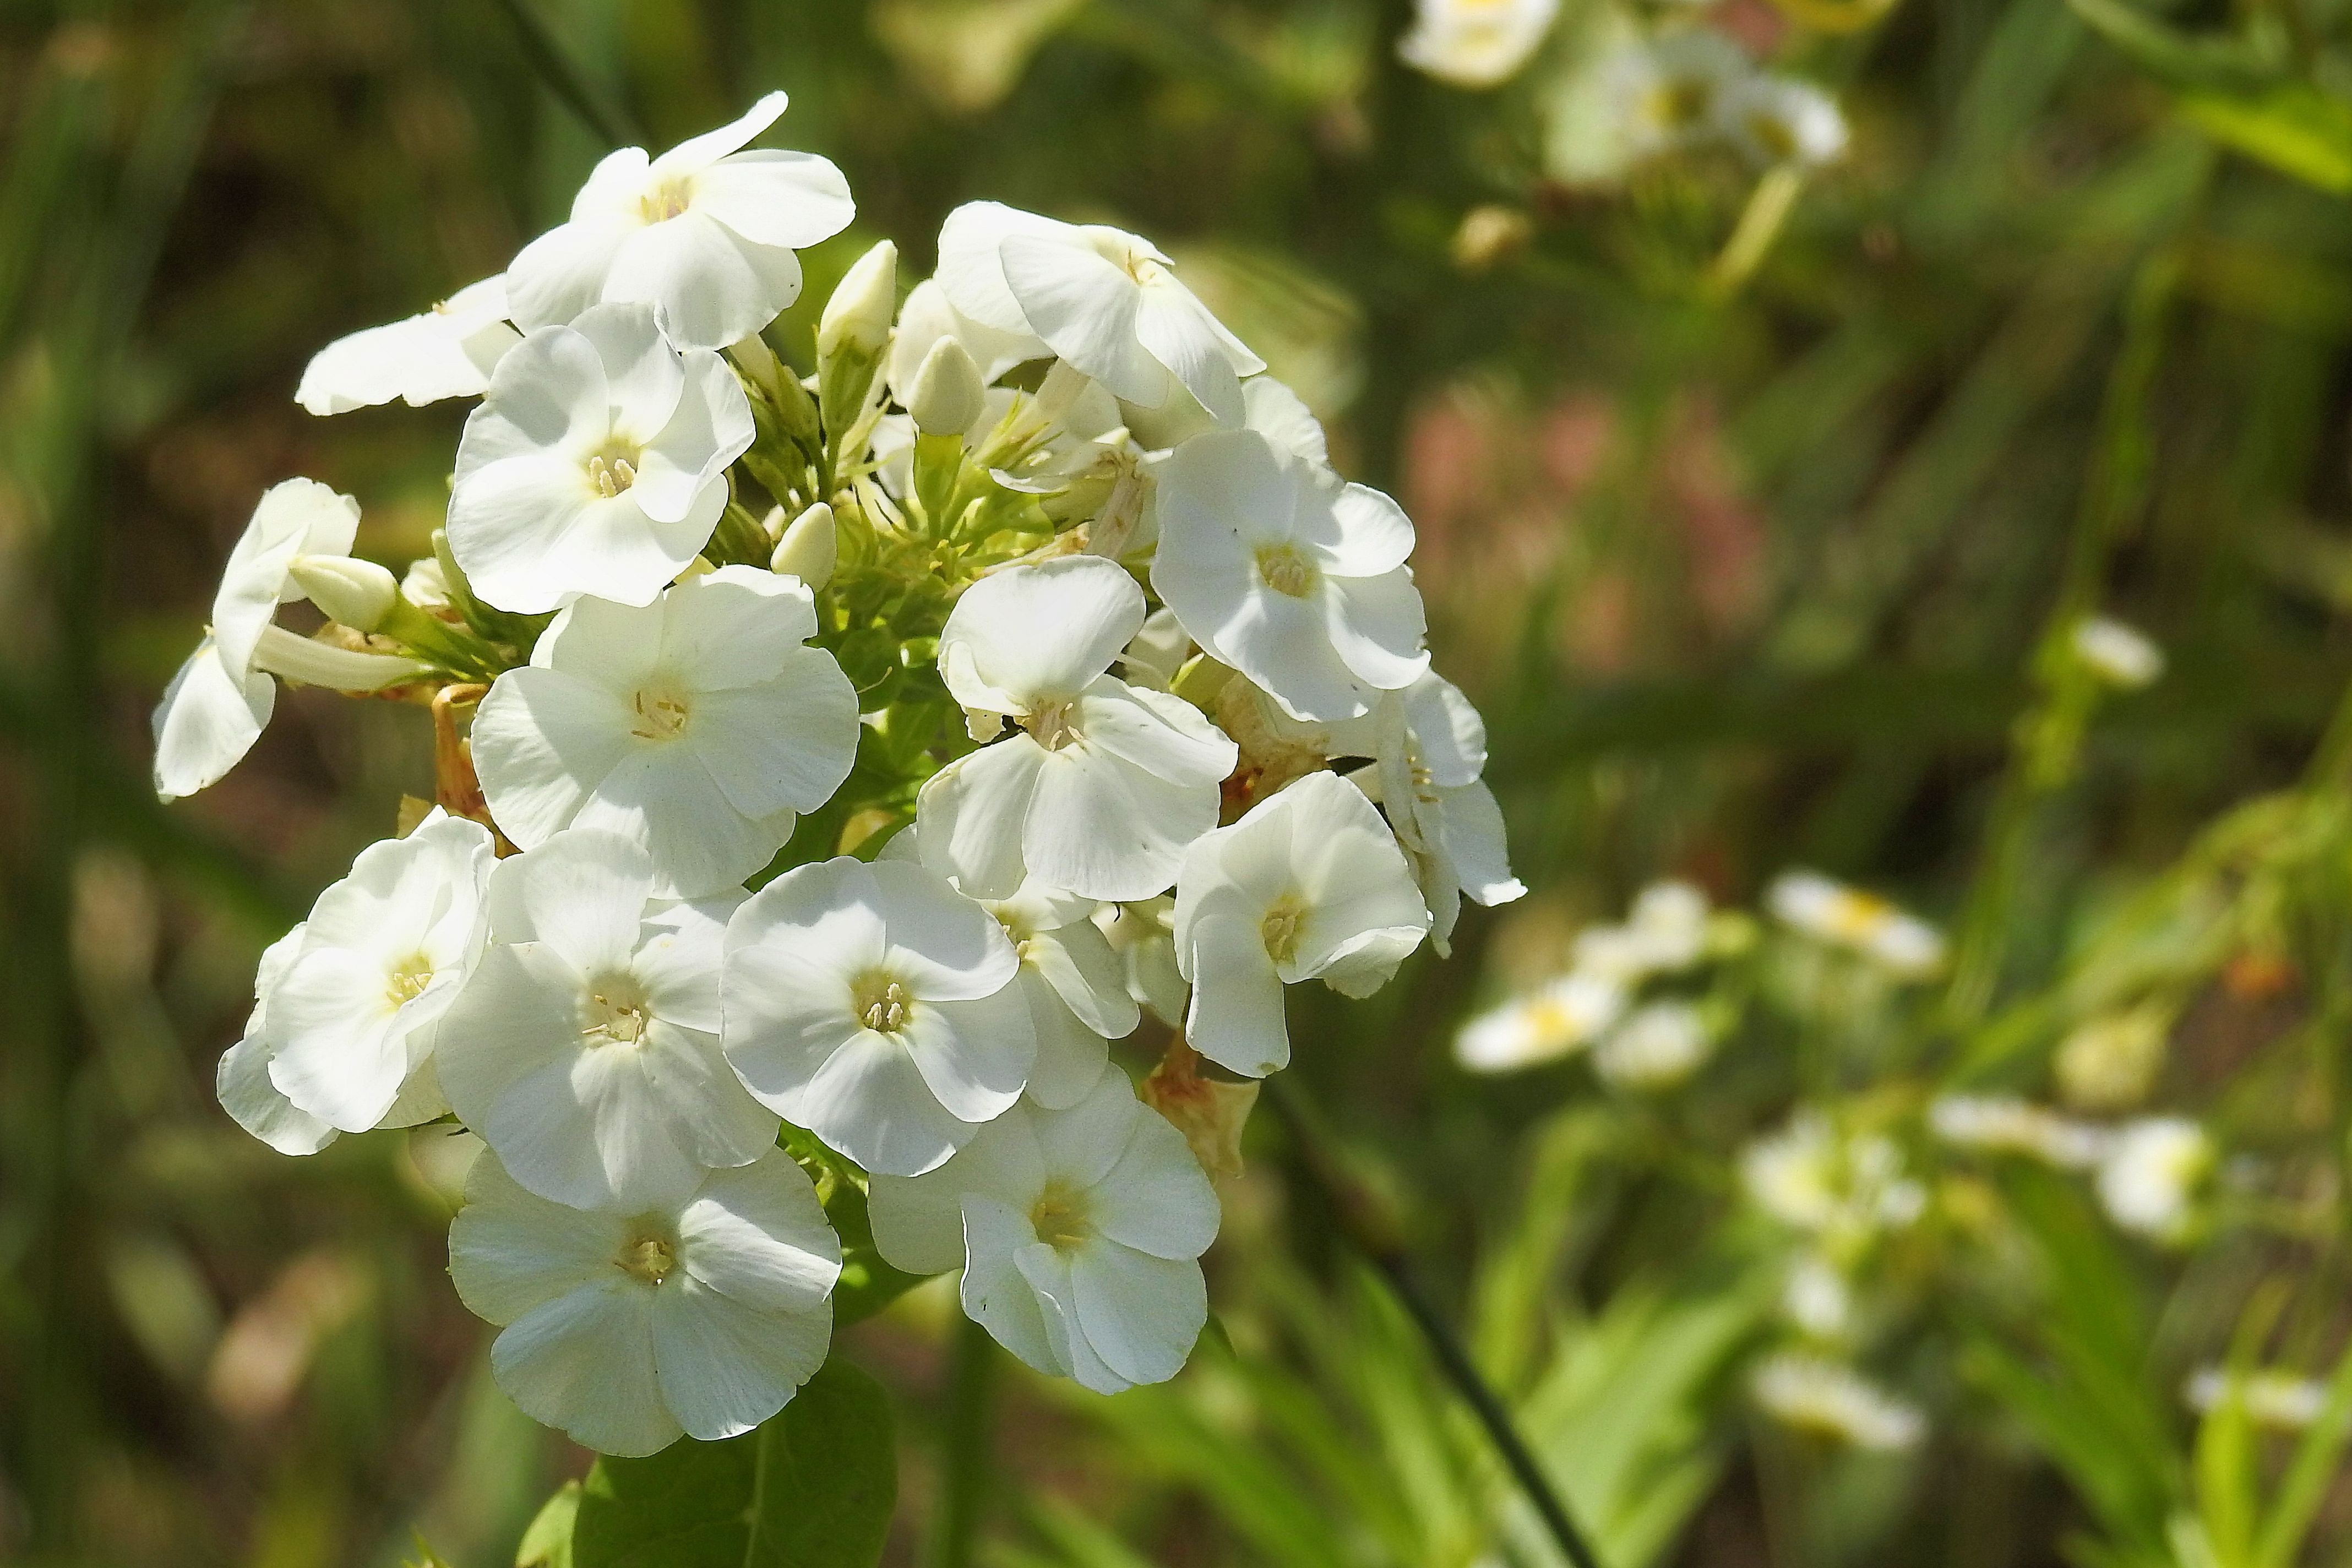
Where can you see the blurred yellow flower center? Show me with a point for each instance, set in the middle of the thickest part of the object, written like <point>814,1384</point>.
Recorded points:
<point>613,470</point>
<point>1052,725</point>
<point>661,716</point>
<point>1681,103</point>
<point>1280,931</point>
<point>882,1004</point>
<point>1856,916</point>
<point>648,1258</point>
<point>1059,1217</point>
<point>615,1012</point>
<point>408,979</point>
<point>1771,132</point>
<point>1285,571</point>
<point>666,200</point>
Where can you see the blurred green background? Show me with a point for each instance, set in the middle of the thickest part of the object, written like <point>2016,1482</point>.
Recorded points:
<point>1745,570</point>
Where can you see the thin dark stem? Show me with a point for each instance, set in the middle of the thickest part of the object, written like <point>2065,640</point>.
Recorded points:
<point>563,78</point>
<point>1358,1212</point>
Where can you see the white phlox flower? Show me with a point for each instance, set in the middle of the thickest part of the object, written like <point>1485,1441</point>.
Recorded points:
<point>2006,1124</point>
<point>222,697</point>
<point>1308,885</point>
<point>1775,120</point>
<point>1430,751</point>
<point>1476,43</point>
<point>1668,94</point>
<point>242,1081</point>
<point>2271,1397</point>
<point>1663,933</point>
<point>596,464</point>
<point>876,1007</point>
<point>1285,573</point>
<point>699,1315</point>
<point>1103,299</point>
<point>1659,1044</point>
<point>1100,785</point>
<point>2117,654</point>
<point>1078,1232</point>
<point>448,351</point>
<point>1831,1399</point>
<point>352,1019</point>
<point>584,1050</point>
<point>2149,1177</point>
<point>1847,917</point>
<point>1843,1189</point>
<point>705,234</point>
<point>1543,1026</point>
<point>697,726</point>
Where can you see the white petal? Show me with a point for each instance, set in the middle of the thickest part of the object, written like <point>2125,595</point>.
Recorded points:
<point>644,381</point>
<point>943,945</point>
<point>698,152</point>
<point>758,1234</point>
<point>710,285</point>
<point>1236,1017</point>
<point>1108,830</point>
<point>711,429</point>
<point>1141,1313</point>
<point>446,352</point>
<point>542,741</point>
<point>1376,624</point>
<point>870,1101</point>
<point>1086,308</point>
<point>1071,1057</point>
<point>1273,409</point>
<point>972,812</point>
<point>511,1252</point>
<point>666,798</point>
<point>1156,730</point>
<point>784,200</point>
<point>206,721</point>
<point>1157,1199</point>
<point>926,317</point>
<point>1356,532</point>
<point>1080,1145</point>
<point>724,1367</point>
<point>1474,837</point>
<point>784,745</point>
<point>918,1220</point>
<point>736,626</point>
<point>581,893</point>
<point>1048,1274</point>
<point>255,1104</point>
<point>584,1362</point>
<point>1078,962</point>
<point>975,1056</point>
<point>994,1294</point>
<point>562,273</point>
<point>1030,635</point>
<point>333,1049</point>
<point>1178,330</point>
<point>972,272</point>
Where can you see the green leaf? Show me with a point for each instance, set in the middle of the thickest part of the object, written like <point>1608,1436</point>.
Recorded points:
<point>812,1488</point>
<point>2295,128</point>
<point>548,1542</point>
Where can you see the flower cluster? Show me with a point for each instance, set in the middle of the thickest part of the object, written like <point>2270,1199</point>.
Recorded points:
<point>829,769</point>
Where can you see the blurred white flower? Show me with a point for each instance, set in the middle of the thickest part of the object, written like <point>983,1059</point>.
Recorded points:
<point>876,1007</point>
<point>2150,1175</point>
<point>242,1081</point>
<point>1308,885</point>
<point>597,464</point>
<point>2117,654</point>
<point>2283,1400</point>
<point>2006,1124</point>
<point>1659,1044</point>
<point>1542,1026</point>
<point>1847,917</point>
<point>705,234</point>
<point>1298,581</point>
<point>1831,1399</point>
<point>1666,932</point>
<point>697,726</point>
<point>1774,121</point>
<point>2110,1061</point>
<point>1102,299</point>
<point>585,1048</point>
<point>1475,43</point>
<point>351,1021</point>
<point>1077,1231</point>
<point>447,352</point>
<point>1667,95</point>
<point>699,1315</point>
<point>1101,785</point>
<point>1843,1189</point>
<point>1429,747</point>
<point>1816,1299</point>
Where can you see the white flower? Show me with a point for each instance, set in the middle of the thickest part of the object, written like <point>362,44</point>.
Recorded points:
<point>222,697</point>
<point>1657,1047</point>
<point>1143,935</point>
<point>1667,95</point>
<point>1774,121</point>
<point>585,1050</point>
<point>1843,1189</point>
<point>1543,1026</point>
<point>597,464</point>
<point>1664,932</point>
<point>2117,654</point>
<point>2151,1173</point>
<point>1816,1299</point>
<point>1308,885</point>
<point>1102,299</point>
<point>698,726</point>
<point>351,1020</point>
<point>1077,1231</point>
<point>2271,1397</point>
<point>1475,43</point>
<point>699,1315</point>
<point>1429,750</point>
<point>2006,1124</point>
<point>1292,578</point>
<point>242,1081</point>
<point>1102,784</point>
<point>447,352</point>
<point>704,234</point>
<point>1832,1400</point>
<point>1832,912</point>
<point>926,317</point>
<point>1076,988</point>
<point>876,1007</point>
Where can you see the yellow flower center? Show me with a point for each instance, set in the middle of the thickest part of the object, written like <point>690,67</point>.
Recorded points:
<point>882,1004</point>
<point>1053,725</point>
<point>1059,1217</point>
<point>1773,135</point>
<point>408,979</point>
<point>667,200</point>
<point>1858,916</point>
<point>613,1013</point>
<point>1279,929</point>
<point>614,470</point>
<point>661,716</point>
<point>649,1256</point>
<point>1283,569</point>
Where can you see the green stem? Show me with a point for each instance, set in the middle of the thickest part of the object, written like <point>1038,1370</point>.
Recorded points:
<point>965,1472</point>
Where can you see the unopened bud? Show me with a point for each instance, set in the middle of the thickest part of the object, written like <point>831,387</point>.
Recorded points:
<point>857,319</point>
<point>808,549</point>
<point>358,592</point>
<point>1210,1112</point>
<point>948,396</point>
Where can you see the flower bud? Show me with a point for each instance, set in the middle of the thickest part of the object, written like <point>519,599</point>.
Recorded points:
<point>808,548</point>
<point>1211,1112</point>
<point>948,396</point>
<point>857,319</point>
<point>359,593</point>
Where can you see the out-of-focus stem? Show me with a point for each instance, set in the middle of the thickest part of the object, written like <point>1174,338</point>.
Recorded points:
<point>1760,222</point>
<point>563,78</point>
<point>965,1467</point>
<point>1363,1220</point>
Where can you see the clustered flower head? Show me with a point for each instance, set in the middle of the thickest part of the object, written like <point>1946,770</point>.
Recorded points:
<point>830,767</point>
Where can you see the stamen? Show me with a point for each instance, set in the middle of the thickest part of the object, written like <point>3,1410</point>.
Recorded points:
<point>1279,929</point>
<point>1285,571</point>
<point>883,1005</point>
<point>660,716</point>
<point>648,1258</point>
<point>1060,1217</point>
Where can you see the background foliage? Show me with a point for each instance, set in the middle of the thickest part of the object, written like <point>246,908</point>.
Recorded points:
<point>1746,572</point>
